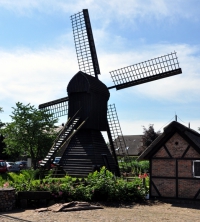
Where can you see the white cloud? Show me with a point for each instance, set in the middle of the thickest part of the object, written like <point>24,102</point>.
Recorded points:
<point>181,88</point>
<point>35,77</point>
<point>119,9</point>
<point>40,76</point>
<point>130,127</point>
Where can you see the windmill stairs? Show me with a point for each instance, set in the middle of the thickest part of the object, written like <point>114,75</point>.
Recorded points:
<point>69,130</point>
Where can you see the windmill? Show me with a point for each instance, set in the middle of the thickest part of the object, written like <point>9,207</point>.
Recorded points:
<point>80,143</point>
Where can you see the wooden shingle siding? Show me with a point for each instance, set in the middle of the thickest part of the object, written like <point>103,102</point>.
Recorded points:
<point>87,151</point>
<point>84,152</point>
<point>90,96</point>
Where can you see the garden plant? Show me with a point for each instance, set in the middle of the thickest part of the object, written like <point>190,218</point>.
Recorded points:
<point>98,186</point>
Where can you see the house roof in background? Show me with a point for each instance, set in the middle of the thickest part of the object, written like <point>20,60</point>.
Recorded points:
<point>133,142</point>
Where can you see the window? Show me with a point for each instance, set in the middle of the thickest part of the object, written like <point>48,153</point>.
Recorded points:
<point>196,168</point>
<point>3,164</point>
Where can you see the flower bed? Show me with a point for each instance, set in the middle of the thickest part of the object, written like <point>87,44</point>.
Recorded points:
<point>98,186</point>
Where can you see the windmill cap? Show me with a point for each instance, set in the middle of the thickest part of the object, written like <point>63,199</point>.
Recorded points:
<point>82,82</point>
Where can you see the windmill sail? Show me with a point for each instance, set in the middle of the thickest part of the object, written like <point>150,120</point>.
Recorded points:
<point>57,107</point>
<point>81,145</point>
<point>116,132</point>
<point>147,71</point>
<point>84,43</point>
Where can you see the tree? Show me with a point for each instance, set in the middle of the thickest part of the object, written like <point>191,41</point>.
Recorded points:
<point>1,124</point>
<point>30,133</point>
<point>2,144</point>
<point>149,135</point>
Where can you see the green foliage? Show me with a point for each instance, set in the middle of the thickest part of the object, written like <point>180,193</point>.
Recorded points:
<point>22,181</point>
<point>105,186</point>
<point>3,179</point>
<point>149,135</point>
<point>2,145</point>
<point>30,133</point>
<point>134,167</point>
<point>98,186</point>
<point>1,124</point>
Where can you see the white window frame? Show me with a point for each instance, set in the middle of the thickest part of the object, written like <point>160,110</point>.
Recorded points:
<point>193,170</point>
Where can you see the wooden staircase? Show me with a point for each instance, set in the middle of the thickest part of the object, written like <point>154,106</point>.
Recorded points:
<point>64,136</point>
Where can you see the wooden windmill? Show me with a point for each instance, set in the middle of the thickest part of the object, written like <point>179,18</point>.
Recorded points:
<point>80,144</point>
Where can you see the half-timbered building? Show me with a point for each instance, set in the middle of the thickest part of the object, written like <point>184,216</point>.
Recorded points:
<point>174,163</point>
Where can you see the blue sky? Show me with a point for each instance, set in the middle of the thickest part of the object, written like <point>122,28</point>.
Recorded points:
<point>37,55</point>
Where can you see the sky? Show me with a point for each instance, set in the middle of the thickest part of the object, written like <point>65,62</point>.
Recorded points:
<point>38,58</point>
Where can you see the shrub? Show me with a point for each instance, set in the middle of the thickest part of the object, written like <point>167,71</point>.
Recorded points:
<point>98,186</point>
<point>131,165</point>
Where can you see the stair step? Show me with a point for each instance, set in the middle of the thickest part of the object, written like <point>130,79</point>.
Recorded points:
<point>75,169</point>
<point>67,131</point>
<point>78,170</point>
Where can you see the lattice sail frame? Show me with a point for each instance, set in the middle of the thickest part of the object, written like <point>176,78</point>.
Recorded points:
<point>84,43</point>
<point>57,107</point>
<point>116,132</point>
<point>147,71</point>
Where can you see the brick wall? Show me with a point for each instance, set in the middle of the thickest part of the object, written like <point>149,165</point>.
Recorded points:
<point>192,153</point>
<point>176,146</point>
<point>163,167</point>
<point>166,187</point>
<point>188,188</point>
<point>185,168</point>
<point>153,192</point>
<point>162,153</point>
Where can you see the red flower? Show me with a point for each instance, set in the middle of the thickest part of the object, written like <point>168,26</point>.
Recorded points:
<point>141,176</point>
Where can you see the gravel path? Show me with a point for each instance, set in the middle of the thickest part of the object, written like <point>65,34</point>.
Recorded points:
<point>148,212</point>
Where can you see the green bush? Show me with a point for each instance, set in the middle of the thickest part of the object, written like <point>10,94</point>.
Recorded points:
<point>98,186</point>
<point>130,165</point>
<point>105,186</point>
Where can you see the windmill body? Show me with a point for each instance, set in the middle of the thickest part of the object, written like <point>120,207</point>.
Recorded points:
<point>87,150</point>
<point>80,144</point>
<point>89,95</point>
